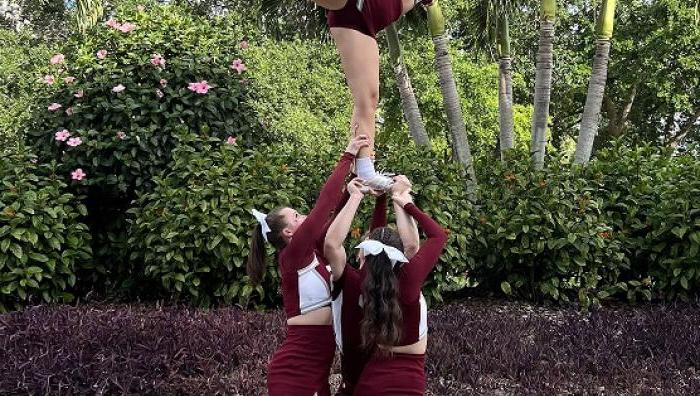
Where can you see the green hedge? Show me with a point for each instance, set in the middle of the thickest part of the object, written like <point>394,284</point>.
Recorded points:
<point>42,240</point>
<point>191,233</point>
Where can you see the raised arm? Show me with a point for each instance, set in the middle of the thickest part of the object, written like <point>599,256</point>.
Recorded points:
<point>313,228</point>
<point>407,227</point>
<point>417,269</point>
<point>333,250</point>
<point>408,231</point>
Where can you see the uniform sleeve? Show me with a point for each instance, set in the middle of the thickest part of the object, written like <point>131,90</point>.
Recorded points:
<point>414,273</point>
<point>314,228</point>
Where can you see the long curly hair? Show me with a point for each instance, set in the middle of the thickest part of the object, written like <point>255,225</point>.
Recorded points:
<point>383,319</point>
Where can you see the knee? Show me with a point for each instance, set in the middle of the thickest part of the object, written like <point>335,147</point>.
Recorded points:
<point>367,103</point>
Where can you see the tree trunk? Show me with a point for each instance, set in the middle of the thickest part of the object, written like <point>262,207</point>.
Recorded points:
<point>505,105</point>
<point>543,89</point>
<point>416,128</point>
<point>505,88</point>
<point>594,99</point>
<point>458,132</point>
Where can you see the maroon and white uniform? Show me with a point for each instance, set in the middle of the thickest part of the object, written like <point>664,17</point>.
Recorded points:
<point>396,374</point>
<point>302,364</point>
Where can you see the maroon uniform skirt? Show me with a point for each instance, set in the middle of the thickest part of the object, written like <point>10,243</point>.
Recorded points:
<point>302,364</point>
<point>375,16</point>
<point>400,374</point>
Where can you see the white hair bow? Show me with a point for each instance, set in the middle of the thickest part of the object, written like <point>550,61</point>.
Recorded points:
<point>260,217</point>
<point>372,247</point>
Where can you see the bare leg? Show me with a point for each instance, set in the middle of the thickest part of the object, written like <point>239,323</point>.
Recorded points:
<point>360,58</point>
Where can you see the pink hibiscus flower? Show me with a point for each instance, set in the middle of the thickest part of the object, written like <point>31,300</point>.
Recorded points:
<point>69,80</point>
<point>62,135</point>
<point>238,66</point>
<point>101,54</point>
<point>54,106</point>
<point>157,60</point>
<point>79,94</point>
<point>121,135</point>
<point>57,59</point>
<point>78,174</point>
<point>118,88</point>
<point>69,111</point>
<point>231,141</point>
<point>75,142</point>
<point>163,82</point>
<point>201,87</point>
<point>49,79</point>
<point>126,27</point>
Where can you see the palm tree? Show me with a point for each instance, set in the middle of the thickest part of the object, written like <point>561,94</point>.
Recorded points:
<point>408,99</point>
<point>505,86</point>
<point>596,86</point>
<point>87,13</point>
<point>489,22</point>
<point>543,82</point>
<point>458,131</point>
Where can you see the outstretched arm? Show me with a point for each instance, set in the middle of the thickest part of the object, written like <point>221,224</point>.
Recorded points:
<point>407,227</point>
<point>338,231</point>
<point>417,269</point>
<point>313,228</point>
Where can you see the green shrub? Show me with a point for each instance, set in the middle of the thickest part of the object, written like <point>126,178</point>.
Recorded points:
<point>545,234</point>
<point>192,232</point>
<point>42,241</point>
<point>673,243</point>
<point>304,100</point>
<point>22,59</point>
<point>128,136</point>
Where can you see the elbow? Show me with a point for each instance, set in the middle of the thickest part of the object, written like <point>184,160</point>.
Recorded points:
<point>410,250</point>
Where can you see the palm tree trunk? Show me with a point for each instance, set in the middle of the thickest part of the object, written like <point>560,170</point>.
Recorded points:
<point>543,83</point>
<point>505,88</point>
<point>596,87</point>
<point>416,128</point>
<point>458,132</point>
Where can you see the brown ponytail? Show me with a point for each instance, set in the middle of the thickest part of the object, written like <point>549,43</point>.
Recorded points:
<point>383,318</point>
<point>257,263</point>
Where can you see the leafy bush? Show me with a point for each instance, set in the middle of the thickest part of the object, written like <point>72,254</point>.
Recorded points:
<point>545,234</point>
<point>133,97</point>
<point>304,101</point>
<point>192,232</point>
<point>673,243</point>
<point>126,93</point>
<point>42,241</point>
<point>22,58</point>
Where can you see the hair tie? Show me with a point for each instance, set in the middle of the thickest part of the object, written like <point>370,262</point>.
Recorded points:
<point>261,218</point>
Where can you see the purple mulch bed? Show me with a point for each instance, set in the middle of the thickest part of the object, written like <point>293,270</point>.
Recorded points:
<point>481,347</point>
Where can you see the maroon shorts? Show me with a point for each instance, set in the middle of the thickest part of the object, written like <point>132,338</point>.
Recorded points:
<point>302,364</point>
<point>400,374</point>
<point>375,16</point>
